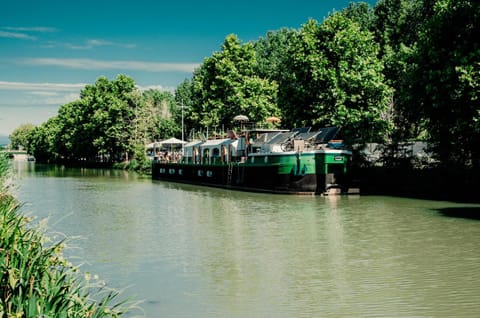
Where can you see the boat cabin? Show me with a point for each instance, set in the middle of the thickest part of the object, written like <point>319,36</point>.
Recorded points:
<point>214,151</point>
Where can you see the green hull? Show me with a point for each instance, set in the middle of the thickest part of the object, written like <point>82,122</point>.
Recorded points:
<point>312,172</point>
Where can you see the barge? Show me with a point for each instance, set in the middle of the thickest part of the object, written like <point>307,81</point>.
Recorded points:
<point>299,161</point>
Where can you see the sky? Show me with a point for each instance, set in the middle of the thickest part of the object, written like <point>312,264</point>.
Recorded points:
<point>51,49</point>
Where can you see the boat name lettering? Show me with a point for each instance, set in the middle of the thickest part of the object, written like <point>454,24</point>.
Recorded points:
<point>338,158</point>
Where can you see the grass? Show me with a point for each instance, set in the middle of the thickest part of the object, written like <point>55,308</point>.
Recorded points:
<point>36,280</point>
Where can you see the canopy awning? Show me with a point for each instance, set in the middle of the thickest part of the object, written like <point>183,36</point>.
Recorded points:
<point>172,141</point>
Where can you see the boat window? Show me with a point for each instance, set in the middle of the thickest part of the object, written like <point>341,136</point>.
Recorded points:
<point>216,152</point>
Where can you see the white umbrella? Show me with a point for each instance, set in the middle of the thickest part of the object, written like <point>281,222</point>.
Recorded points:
<point>172,141</point>
<point>240,118</point>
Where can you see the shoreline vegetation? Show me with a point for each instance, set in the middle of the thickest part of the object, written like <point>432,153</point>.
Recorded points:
<point>35,278</point>
<point>400,71</point>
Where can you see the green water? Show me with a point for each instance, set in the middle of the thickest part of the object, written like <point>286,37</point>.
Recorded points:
<point>190,251</point>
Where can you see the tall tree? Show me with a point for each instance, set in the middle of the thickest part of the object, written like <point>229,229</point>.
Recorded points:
<point>111,111</point>
<point>19,137</point>
<point>158,115</point>
<point>183,98</point>
<point>103,123</point>
<point>337,80</point>
<point>445,80</point>
<point>274,56</point>
<point>44,139</point>
<point>396,27</point>
<point>226,85</point>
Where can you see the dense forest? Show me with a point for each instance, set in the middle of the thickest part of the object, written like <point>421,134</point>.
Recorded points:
<point>401,70</point>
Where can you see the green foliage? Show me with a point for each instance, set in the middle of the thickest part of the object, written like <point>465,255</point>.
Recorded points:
<point>99,125</point>
<point>158,116</point>
<point>444,80</point>
<point>44,141</point>
<point>226,85</point>
<point>184,99</point>
<point>404,69</point>
<point>336,79</point>
<point>4,170</point>
<point>36,280</point>
<point>19,137</point>
<point>396,27</point>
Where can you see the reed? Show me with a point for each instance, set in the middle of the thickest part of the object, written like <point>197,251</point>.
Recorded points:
<point>36,280</point>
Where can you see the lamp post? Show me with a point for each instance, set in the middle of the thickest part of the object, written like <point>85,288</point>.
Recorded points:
<point>183,149</point>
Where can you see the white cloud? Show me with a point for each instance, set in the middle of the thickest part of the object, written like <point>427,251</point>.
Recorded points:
<point>16,35</point>
<point>156,87</point>
<point>93,43</point>
<point>43,93</point>
<point>36,87</point>
<point>62,99</point>
<point>31,29</point>
<point>31,94</point>
<point>23,33</point>
<point>89,64</point>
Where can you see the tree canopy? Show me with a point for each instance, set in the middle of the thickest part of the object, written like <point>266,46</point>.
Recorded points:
<point>19,137</point>
<point>401,70</point>
<point>106,124</point>
<point>226,85</point>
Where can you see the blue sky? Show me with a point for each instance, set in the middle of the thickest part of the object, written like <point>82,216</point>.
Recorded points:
<point>49,50</point>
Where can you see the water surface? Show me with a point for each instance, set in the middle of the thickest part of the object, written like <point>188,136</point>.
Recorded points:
<point>190,251</point>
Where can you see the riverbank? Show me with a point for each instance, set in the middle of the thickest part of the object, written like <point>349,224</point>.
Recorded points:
<point>35,279</point>
<point>448,184</point>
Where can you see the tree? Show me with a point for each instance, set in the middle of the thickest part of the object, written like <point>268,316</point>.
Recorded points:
<point>19,137</point>
<point>102,125</point>
<point>159,111</point>
<point>43,141</point>
<point>445,80</point>
<point>274,62</point>
<point>396,27</point>
<point>184,99</point>
<point>336,79</point>
<point>110,109</point>
<point>226,85</point>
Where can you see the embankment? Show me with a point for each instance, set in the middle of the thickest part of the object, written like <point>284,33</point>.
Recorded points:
<point>450,184</point>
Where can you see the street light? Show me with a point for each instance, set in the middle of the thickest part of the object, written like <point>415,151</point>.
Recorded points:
<point>182,131</point>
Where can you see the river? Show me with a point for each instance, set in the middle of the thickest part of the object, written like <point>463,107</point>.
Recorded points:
<point>189,251</point>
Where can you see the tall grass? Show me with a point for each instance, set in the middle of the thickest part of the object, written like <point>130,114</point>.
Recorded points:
<point>36,280</point>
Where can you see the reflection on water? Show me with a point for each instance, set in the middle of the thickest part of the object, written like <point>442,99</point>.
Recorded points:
<point>202,252</point>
